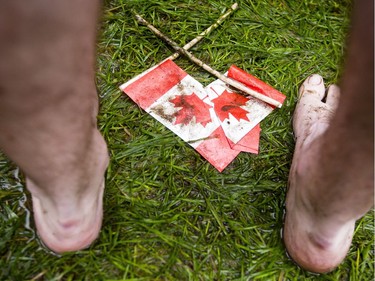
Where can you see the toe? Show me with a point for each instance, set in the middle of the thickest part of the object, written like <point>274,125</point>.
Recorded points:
<point>333,96</point>
<point>310,109</point>
<point>313,87</point>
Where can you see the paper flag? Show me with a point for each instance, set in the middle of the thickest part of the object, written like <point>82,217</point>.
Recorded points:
<point>215,120</point>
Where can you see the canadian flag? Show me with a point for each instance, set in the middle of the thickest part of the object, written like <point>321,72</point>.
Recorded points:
<point>216,121</point>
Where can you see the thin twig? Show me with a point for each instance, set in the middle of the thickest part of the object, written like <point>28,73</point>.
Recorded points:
<point>188,45</point>
<point>207,31</point>
<point>229,81</point>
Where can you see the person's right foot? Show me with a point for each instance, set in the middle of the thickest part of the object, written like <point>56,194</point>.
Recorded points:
<point>68,217</point>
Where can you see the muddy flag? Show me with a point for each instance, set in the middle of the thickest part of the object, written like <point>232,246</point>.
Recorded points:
<point>215,120</point>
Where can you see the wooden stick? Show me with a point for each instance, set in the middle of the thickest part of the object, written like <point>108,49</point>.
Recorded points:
<point>229,81</point>
<point>204,33</point>
<point>188,45</point>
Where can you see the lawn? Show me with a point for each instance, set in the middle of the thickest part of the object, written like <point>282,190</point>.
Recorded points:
<point>169,215</point>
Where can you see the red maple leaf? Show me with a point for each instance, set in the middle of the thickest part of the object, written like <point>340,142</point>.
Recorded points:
<point>192,106</point>
<point>230,103</point>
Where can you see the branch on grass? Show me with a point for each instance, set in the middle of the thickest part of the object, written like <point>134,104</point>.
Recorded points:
<point>204,33</point>
<point>190,44</point>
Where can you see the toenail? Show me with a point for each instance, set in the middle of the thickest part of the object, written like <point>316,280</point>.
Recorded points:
<point>315,79</point>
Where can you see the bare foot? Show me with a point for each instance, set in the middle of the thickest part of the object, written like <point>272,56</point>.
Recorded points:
<point>314,240</point>
<point>68,217</point>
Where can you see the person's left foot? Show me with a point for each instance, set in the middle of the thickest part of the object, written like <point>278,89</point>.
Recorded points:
<point>318,243</point>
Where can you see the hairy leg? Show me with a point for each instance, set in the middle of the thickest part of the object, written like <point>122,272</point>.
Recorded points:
<point>48,108</point>
<point>331,179</point>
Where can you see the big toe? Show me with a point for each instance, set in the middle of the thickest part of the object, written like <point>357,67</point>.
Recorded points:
<point>311,112</point>
<point>312,87</point>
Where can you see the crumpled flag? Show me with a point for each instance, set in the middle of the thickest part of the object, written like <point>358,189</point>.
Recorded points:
<point>216,121</point>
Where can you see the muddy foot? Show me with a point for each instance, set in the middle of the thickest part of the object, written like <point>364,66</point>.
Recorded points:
<point>316,242</point>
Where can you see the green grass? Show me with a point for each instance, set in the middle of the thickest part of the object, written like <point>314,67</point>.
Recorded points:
<point>169,215</point>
